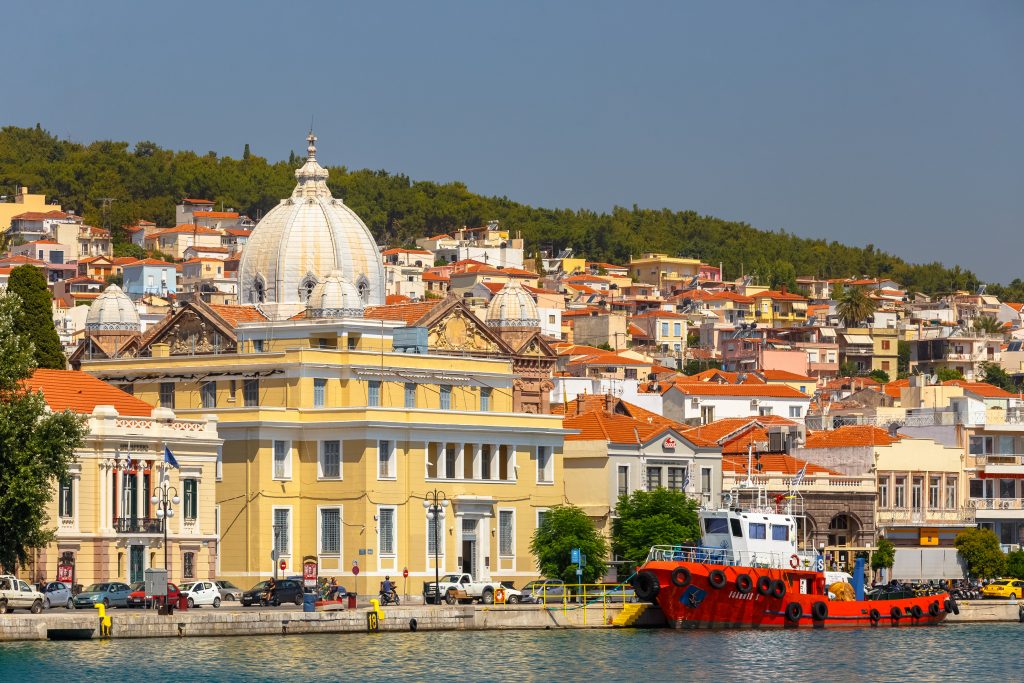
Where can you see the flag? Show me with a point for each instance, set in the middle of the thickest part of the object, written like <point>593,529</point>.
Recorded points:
<point>799,478</point>
<point>170,459</point>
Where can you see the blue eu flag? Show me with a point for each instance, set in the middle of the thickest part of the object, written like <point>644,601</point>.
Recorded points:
<point>170,459</point>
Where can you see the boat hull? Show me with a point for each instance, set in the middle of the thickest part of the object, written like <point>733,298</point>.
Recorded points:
<point>701,604</point>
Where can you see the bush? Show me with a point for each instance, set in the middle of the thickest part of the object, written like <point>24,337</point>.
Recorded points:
<point>981,551</point>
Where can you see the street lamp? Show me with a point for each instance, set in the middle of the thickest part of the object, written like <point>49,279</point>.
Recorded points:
<point>163,498</point>
<point>435,504</point>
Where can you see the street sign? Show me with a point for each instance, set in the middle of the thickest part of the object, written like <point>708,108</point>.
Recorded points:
<point>309,573</point>
<point>574,556</point>
<point>579,572</point>
<point>405,573</point>
<point>819,563</point>
<point>283,565</point>
<point>583,560</point>
<point>355,570</point>
<point>273,555</point>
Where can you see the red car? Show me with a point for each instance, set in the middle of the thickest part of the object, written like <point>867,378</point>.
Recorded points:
<point>138,598</point>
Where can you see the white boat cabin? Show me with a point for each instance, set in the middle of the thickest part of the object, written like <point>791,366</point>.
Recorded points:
<point>756,539</point>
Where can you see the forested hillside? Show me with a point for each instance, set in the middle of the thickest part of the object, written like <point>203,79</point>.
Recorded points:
<point>145,181</point>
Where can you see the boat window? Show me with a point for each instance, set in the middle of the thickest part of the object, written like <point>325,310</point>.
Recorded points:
<point>757,530</point>
<point>780,532</point>
<point>737,530</point>
<point>716,525</point>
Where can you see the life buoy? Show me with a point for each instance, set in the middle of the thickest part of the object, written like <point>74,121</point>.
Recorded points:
<point>764,585</point>
<point>717,578</point>
<point>895,613</point>
<point>875,616</point>
<point>819,611</point>
<point>744,584</point>
<point>499,596</point>
<point>794,611</point>
<point>794,562</point>
<point>681,577</point>
<point>778,589</point>
<point>933,609</point>
<point>646,586</point>
<point>948,606</point>
<point>916,611</point>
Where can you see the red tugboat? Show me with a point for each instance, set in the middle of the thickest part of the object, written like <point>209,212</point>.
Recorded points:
<point>748,573</point>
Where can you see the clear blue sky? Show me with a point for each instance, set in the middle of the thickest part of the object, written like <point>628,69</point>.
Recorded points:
<point>892,123</point>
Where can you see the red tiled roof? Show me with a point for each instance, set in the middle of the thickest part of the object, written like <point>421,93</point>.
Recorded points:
<point>781,296</point>
<point>238,232</point>
<point>434,277</point>
<point>216,250</point>
<point>607,358</point>
<point>407,251</point>
<point>659,314</point>
<point>773,463</point>
<point>407,313</point>
<point>982,389</point>
<point>392,299</point>
<point>784,376</point>
<point>235,315</point>
<point>42,216</point>
<point>739,390</point>
<point>627,423</point>
<point>850,436</point>
<point>149,262</point>
<point>81,392</point>
<point>183,229</point>
<point>215,214</point>
<point>197,202</point>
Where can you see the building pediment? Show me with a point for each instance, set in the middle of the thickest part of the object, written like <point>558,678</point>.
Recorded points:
<point>453,327</point>
<point>193,329</point>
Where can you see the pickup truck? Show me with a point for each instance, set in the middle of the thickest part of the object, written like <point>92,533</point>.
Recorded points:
<point>16,594</point>
<point>463,589</point>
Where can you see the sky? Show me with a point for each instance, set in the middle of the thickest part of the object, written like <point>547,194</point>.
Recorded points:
<point>897,124</point>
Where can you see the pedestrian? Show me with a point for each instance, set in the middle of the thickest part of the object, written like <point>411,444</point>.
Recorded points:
<point>332,593</point>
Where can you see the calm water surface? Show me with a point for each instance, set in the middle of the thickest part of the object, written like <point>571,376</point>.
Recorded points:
<point>961,653</point>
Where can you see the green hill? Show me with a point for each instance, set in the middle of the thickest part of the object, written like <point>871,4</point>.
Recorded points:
<point>146,181</point>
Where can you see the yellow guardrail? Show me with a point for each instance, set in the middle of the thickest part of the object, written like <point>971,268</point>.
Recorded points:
<point>587,596</point>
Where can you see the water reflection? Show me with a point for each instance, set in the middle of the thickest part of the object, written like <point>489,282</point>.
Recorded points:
<point>925,654</point>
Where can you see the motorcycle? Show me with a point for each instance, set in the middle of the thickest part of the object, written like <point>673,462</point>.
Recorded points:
<point>390,598</point>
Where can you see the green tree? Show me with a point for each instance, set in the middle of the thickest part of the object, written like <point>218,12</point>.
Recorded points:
<point>994,374</point>
<point>981,551</point>
<point>854,307</point>
<point>566,527</point>
<point>649,518</point>
<point>34,321</point>
<point>903,356</point>
<point>948,374</point>
<point>880,376</point>
<point>1015,564</point>
<point>697,365</point>
<point>884,555</point>
<point>36,446</point>
<point>987,324</point>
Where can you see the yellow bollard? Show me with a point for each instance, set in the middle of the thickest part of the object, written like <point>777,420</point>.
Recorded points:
<point>376,608</point>
<point>105,621</point>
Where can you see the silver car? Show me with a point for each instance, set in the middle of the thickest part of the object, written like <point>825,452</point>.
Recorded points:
<point>543,590</point>
<point>228,590</point>
<point>58,594</point>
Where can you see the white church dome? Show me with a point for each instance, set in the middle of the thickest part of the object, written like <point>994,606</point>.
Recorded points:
<point>334,297</point>
<point>112,310</point>
<point>305,237</point>
<point>513,306</point>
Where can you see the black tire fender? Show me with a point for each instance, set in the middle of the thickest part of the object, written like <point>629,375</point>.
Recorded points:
<point>819,611</point>
<point>646,586</point>
<point>778,589</point>
<point>895,613</point>
<point>764,585</point>
<point>793,612</point>
<point>933,609</point>
<point>916,611</point>
<point>947,605</point>
<point>681,577</point>
<point>875,616</point>
<point>744,584</point>
<point>716,578</point>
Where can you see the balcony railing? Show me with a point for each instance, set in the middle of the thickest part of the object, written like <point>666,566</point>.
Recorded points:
<point>138,525</point>
<point>996,503</point>
<point>922,516</point>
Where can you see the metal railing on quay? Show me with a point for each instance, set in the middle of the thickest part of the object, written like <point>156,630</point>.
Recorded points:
<point>587,596</point>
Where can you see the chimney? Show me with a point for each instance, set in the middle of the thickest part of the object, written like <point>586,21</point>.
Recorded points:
<point>784,289</point>
<point>608,403</point>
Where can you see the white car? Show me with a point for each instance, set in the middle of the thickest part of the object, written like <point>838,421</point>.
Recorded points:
<point>201,593</point>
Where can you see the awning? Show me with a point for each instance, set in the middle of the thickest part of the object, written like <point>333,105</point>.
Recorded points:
<point>860,339</point>
<point>827,332</point>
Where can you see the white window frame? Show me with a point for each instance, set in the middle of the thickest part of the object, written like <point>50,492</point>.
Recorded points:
<point>537,514</point>
<point>394,530</point>
<point>319,392</point>
<point>320,530</point>
<point>511,511</point>
<point>291,528</point>
<point>219,471</point>
<point>629,472</point>
<point>545,476</point>
<point>287,460</point>
<point>441,545</point>
<point>392,461</point>
<point>796,411</point>
<point>409,390</point>
<point>373,386</point>
<point>321,451</point>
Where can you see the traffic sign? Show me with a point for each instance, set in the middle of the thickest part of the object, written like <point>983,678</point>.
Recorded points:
<point>283,565</point>
<point>574,556</point>
<point>405,573</point>
<point>355,570</point>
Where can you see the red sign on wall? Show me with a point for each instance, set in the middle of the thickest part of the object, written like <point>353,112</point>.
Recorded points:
<point>309,573</point>
<point>283,564</point>
<point>65,573</point>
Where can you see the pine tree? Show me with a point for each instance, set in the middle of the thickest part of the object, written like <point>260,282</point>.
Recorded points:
<point>34,321</point>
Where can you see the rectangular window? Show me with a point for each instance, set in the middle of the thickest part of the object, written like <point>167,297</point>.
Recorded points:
<point>410,395</point>
<point>433,536</point>
<point>257,345</point>
<point>373,393</point>
<point>623,480</point>
<point>330,460</point>
<point>65,499</point>
<point>485,399</point>
<point>917,493</point>
<point>982,488</point>
<point>885,344</point>
<point>486,460</point>
<point>705,479</point>
<point>542,515</point>
<point>653,478</point>
<point>385,460</point>
<point>1007,488</point>
<point>545,470</point>
<point>330,531</point>
<point>386,534</point>
<point>757,531</point>
<point>446,397</point>
<point>951,493</point>
<point>506,540</point>
<point>167,395</point>
<point>282,531</point>
<point>251,392</point>
<point>319,392</point>
<point>282,460</point>
<point>191,498</point>
<point>450,460</point>
<point>934,489</point>
<point>899,498</point>
<point>780,532</point>
<point>796,411</point>
<point>188,565</point>
<point>677,478</point>
<point>883,493</point>
<point>208,393</point>
<point>664,329</point>
<point>981,445</point>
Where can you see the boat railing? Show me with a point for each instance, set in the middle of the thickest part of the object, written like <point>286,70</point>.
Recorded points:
<point>721,556</point>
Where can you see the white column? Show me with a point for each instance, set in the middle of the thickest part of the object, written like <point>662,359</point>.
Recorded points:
<point>495,461</point>
<point>512,463</point>
<point>460,461</point>
<point>140,497</point>
<point>426,460</point>
<point>101,493</point>
<point>477,461</point>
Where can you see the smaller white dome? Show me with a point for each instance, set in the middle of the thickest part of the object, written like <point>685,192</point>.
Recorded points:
<point>112,310</point>
<point>513,306</point>
<point>334,297</point>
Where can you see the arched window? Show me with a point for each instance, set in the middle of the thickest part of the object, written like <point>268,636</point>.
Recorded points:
<point>259,291</point>
<point>306,287</point>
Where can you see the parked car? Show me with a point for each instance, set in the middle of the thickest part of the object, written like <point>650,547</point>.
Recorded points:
<point>16,594</point>
<point>111,594</point>
<point>139,597</point>
<point>544,590</point>
<point>287,590</point>
<point>228,590</point>
<point>1004,588</point>
<point>201,593</point>
<point>613,593</point>
<point>57,594</point>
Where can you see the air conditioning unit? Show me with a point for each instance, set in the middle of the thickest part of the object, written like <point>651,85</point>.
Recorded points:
<point>694,402</point>
<point>754,402</point>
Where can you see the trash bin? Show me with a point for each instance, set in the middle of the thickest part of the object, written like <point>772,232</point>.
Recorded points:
<point>308,602</point>
<point>351,600</point>
<point>182,602</point>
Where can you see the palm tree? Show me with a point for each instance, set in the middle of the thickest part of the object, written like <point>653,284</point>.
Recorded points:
<point>854,306</point>
<point>987,324</point>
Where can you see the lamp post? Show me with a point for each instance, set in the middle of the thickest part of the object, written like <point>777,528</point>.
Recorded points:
<point>435,503</point>
<point>163,498</point>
